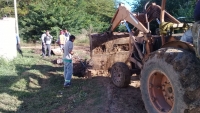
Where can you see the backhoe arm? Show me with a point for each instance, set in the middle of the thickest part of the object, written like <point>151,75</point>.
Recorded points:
<point>123,14</point>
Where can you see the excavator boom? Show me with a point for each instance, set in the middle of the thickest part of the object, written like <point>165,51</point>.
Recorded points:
<point>165,64</point>
<point>108,48</point>
<point>123,14</point>
<point>138,19</point>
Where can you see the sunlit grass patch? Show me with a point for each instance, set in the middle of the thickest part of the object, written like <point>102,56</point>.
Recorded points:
<point>20,85</point>
<point>9,103</point>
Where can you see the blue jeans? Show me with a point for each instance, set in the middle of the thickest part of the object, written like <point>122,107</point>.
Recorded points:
<point>68,70</point>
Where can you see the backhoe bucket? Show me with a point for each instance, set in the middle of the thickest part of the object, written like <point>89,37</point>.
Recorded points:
<point>106,49</point>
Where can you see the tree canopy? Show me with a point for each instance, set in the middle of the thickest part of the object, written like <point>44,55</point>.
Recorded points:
<point>177,8</point>
<point>35,16</point>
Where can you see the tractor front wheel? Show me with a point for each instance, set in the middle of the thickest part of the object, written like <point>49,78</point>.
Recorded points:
<point>120,74</point>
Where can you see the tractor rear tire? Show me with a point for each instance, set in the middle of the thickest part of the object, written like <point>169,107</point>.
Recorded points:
<point>120,74</point>
<point>169,81</point>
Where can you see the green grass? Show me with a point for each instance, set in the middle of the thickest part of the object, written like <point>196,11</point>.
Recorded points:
<point>82,39</point>
<point>31,84</point>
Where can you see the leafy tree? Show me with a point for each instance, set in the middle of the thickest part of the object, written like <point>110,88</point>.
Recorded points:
<point>6,8</point>
<point>74,15</point>
<point>177,8</point>
<point>35,16</point>
<point>186,9</point>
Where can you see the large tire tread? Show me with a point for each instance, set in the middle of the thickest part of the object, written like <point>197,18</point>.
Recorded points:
<point>186,65</point>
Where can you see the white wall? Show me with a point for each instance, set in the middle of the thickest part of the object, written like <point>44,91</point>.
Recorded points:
<point>7,38</point>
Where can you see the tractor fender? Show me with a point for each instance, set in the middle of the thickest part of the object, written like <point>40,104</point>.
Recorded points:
<point>179,44</point>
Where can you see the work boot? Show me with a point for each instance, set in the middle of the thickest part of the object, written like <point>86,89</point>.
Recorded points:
<point>67,85</point>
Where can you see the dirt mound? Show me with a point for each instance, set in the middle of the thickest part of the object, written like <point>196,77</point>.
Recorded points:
<point>79,67</point>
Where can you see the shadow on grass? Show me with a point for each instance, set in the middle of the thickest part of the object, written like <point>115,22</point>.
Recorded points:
<point>31,88</point>
<point>39,88</point>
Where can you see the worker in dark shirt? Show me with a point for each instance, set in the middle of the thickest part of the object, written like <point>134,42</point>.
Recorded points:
<point>187,36</point>
<point>197,11</point>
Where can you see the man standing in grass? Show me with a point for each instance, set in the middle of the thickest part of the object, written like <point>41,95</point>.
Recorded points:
<point>67,58</point>
<point>47,41</point>
<point>61,40</point>
<point>43,43</point>
<point>18,44</point>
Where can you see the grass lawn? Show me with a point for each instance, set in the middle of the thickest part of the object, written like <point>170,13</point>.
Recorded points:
<point>31,84</point>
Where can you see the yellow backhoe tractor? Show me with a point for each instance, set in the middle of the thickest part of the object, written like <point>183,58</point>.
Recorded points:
<point>166,63</point>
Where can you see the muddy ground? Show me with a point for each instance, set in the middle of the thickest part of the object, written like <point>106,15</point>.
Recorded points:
<point>113,100</point>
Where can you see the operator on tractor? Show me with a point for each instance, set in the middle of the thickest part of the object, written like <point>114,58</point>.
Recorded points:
<point>187,37</point>
<point>197,11</point>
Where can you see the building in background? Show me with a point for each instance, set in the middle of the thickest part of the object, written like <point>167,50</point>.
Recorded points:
<point>8,38</point>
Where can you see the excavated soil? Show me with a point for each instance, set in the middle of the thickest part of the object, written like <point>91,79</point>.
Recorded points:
<point>113,99</point>
<point>106,49</point>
